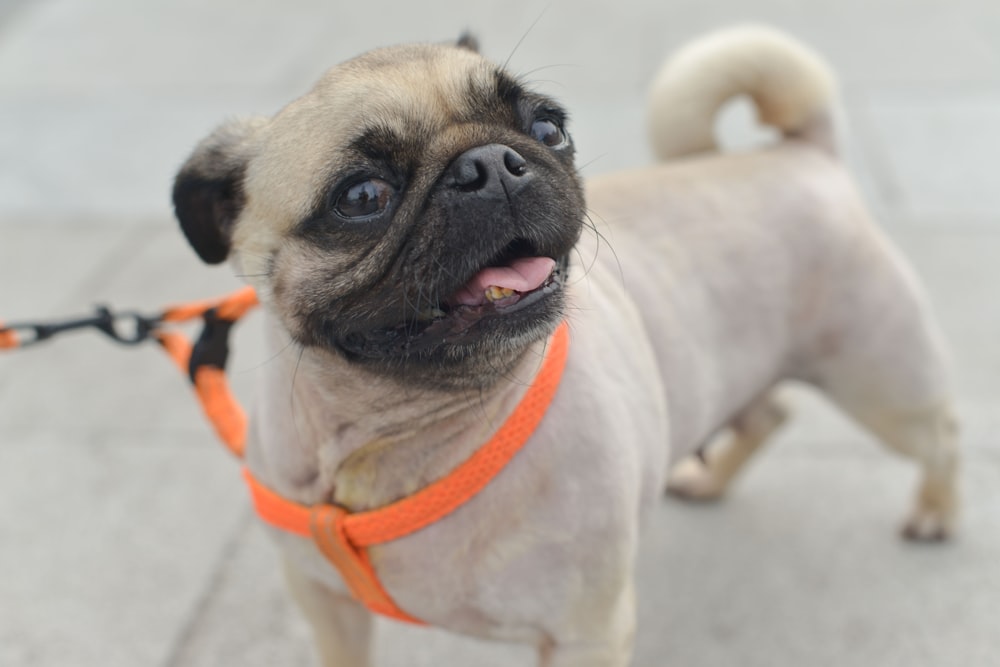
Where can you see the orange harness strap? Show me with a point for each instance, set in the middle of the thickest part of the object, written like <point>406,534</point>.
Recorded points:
<point>343,536</point>
<point>204,362</point>
<point>8,339</point>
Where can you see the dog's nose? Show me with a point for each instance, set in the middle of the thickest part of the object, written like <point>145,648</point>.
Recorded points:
<point>493,170</point>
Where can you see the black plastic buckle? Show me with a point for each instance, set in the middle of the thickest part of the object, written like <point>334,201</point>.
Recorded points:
<point>212,346</point>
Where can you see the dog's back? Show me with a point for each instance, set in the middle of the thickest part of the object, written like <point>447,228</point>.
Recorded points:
<point>713,245</point>
<point>757,267</point>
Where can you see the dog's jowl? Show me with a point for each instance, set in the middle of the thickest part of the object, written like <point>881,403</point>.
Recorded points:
<point>473,399</point>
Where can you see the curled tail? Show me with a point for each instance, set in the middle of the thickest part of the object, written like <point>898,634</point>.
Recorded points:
<point>792,88</point>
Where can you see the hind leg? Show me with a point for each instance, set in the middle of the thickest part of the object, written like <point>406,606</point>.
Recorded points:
<point>898,391</point>
<point>707,477</point>
<point>929,436</point>
<point>876,351</point>
<point>886,367</point>
<point>933,440</point>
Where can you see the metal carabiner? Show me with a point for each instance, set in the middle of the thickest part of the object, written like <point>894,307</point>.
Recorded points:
<point>126,328</point>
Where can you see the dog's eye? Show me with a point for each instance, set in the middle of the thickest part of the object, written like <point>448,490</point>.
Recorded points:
<point>364,199</point>
<point>548,132</point>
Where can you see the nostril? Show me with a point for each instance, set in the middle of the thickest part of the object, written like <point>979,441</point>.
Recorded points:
<point>515,164</point>
<point>491,170</point>
<point>469,173</point>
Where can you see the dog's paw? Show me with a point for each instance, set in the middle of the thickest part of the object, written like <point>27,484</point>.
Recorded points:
<point>692,480</point>
<point>935,513</point>
<point>929,526</point>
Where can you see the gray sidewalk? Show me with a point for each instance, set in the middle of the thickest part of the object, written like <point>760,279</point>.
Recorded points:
<point>126,538</point>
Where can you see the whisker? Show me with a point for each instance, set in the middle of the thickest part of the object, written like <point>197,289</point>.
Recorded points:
<point>291,395</point>
<point>523,75</point>
<point>291,343</point>
<point>525,35</point>
<point>592,161</point>
<point>592,226</point>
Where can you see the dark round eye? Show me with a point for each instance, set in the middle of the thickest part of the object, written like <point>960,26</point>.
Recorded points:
<point>548,132</point>
<point>364,199</point>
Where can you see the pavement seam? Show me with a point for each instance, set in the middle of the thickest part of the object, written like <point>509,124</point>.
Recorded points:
<point>216,580</point>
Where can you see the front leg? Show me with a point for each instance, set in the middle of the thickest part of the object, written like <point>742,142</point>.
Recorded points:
<point>588,654</point>
<point>602,638</point>
<point>342,627</point>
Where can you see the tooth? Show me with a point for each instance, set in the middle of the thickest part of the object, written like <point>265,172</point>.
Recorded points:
<point>431,313</point>
<point>494,293</point>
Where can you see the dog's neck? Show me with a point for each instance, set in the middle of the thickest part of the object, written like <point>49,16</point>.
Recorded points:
<point>363,441</point>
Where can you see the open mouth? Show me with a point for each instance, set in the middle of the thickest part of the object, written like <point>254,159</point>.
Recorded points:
<point>513,287</point>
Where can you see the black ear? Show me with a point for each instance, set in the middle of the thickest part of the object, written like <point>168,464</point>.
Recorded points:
<point>468,41</point>
<point>208,191</point>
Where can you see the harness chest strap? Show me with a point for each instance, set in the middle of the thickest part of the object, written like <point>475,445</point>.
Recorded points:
<point>344,537</point>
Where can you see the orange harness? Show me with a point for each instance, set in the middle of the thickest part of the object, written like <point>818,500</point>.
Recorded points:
<point>343,537</point>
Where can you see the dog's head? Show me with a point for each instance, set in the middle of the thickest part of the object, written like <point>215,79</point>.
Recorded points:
<point>413,213</point>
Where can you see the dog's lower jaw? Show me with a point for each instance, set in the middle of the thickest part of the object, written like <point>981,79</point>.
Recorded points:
<point>471,355</point>
<point>474,367</point>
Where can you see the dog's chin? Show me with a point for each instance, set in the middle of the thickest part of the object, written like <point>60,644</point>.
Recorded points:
<point>457,344</point>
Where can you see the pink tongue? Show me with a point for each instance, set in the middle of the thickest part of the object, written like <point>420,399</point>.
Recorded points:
<point>523,275</point>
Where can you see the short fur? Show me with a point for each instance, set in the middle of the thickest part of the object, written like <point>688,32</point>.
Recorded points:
<point>730,273</point>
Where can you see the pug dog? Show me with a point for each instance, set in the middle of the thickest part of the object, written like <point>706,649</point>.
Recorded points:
<point>417,230</point>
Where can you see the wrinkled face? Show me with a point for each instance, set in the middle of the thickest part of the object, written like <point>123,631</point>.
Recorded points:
<point>413,213</point>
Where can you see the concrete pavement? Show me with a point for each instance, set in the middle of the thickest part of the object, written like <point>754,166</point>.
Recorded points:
<point>125,535</point>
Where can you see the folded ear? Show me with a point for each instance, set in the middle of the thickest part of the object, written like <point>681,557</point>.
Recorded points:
<point>208,190</point>
<point>468,41</point>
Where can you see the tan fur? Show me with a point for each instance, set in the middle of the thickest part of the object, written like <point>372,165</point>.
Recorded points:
<point>741,271</point>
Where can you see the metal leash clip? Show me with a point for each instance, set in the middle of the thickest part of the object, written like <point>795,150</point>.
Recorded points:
<point>127,328</point>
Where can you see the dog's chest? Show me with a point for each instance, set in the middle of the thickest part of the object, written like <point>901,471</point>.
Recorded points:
<point>514,555</point>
